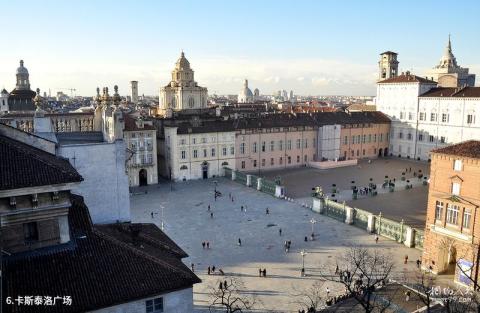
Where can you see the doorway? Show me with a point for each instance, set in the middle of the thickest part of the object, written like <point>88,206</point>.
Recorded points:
<point>204,170</point>
<point>142,177</point>
<point>385,152</point>
<point>380,152</point>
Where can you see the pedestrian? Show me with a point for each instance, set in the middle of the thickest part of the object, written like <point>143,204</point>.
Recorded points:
<point>259,272</point>
<point>241,208</point>
<point>225,284</point>
<point>394,179</point>
<point>264,272</point>
<point>239,242</point>
<point>406,259</point>
<point>211,214</point>
<point>328,291</point>
<point>213,269</point>
<point>208,245</point>
<point>208,270</point>
<point>232,198</point>
<point>267,211</point>
<point>280,231</point>
<point>336,270</point>
<point>220,286</point>
<point>418,263</point>
<point>306,239</point>
<point>376,238</point>
<point>151,214</point>
<point>410,169</point>
<point>208,207</point>
<point>312,236</point>
<point>407,295</point>
<point>203,244</point>
<point>193,267</point>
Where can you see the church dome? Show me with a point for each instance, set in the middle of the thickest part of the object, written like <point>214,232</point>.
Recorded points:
<point>182,63</point>
<point>21,69</point>
<point>245,94</point>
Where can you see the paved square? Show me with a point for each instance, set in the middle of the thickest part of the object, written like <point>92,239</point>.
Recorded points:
<point>407,204</point>
<point>188,222</point>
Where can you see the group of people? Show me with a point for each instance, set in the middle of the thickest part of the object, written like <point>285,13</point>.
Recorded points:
<point>206,244</point>
<point>262,273</point>
<point>287,245</point>
<point>211,270</point>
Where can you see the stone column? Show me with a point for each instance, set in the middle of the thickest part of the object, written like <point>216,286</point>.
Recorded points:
<point>318,205</point>
<point>279,191</point>
<point>349,214</point>
<point>234,175</point>
<point>410,239</point>
<point>259,183</point>
<point>249,180</point>
<point>63,229</point>
<point>371,223</point>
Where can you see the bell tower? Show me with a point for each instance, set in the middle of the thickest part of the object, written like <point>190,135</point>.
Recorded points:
<point>388,65</point>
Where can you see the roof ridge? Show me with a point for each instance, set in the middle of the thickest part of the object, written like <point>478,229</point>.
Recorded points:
<point>138,252</point>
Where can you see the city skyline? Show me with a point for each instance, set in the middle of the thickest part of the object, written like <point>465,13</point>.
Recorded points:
<point>113,45</point>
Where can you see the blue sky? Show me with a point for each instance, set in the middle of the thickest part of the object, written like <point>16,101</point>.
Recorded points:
<point>313,47</point>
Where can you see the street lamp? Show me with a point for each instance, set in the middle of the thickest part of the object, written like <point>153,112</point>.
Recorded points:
<point>303,254</point>
<point>162,226</point>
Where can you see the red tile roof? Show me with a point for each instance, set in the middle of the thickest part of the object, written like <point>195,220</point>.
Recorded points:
<point>22,166</point>
<point>453,92</point>
<point>131,124</point>
<point>469,149</point>
<point>407,78</point>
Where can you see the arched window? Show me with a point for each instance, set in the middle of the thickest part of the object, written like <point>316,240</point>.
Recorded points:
<point>191,102</point>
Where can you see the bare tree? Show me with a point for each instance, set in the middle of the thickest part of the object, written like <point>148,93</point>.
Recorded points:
<point>230,296</point>
<point>422,282</point>
<point>310,298</point>
<point>362,272</point>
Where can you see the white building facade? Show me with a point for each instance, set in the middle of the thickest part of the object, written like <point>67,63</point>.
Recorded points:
<point>198,155</point>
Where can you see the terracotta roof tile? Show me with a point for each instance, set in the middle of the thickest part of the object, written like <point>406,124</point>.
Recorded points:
<point>469,149</point>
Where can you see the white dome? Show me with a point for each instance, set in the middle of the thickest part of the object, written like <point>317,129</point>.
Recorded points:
<point>21,69</point>
<point>245,94</point>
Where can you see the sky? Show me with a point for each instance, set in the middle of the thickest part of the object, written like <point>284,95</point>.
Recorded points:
<point>317,47</point>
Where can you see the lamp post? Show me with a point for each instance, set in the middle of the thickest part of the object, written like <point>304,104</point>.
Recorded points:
<point>162,225</point>
<point>303,254</point>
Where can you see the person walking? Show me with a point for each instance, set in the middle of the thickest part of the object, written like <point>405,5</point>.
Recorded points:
<point>213,269</point>
<point>211,214</point>
<point>406,259</point>
<point>208,245</point>
<point>376,238</point>
<point>267,211</point>
<point>259,272</point>
<point>208,270</point>
<point>203,244</point>
<point>220,286</point>
<point>193,267</point>
<point>239,242</point>
<point>208,208</point>
<point>241,208</point>
<point>280,231</point>
<point>419,263</point>
<point>264,272</point>
<point>225,284</point>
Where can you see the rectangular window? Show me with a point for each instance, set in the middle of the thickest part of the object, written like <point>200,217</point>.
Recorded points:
<point>154,306</point>
<point>280,160</point>
<point>420,137</point>
<point>409,136</point>
<point>298,159</point>
<point>195,154</point>
<point>30,231</point>
<point>369,138</point>
<point>358,138</point>
<point>289,159</point>
<point>204,140</point>
<point>224,151</point>
<point>242,148</point>
<point>272,161</point>
<point>452,214</point>
<point>374,137</point>
<point>402,115</point>
<point>433,117</point>
<point>213,152</point>
<point>280,145</point>
<point>263,162</point>
<point>243,164</point>
<point>410,116</point>
<point>445,118</point>
<point>263,146</point>
<point>232,150</point>
<point>470,119</point>
<point>456,189</point>
<point>254,149</point>
<point>204,153</point>
<point>184,154</point>
<point>467,217</point>
<point>431,138</point>
<point>422,116</point>
<point>457,165</point>
<point>438,210</point>
<point>194,140</point>
<point>353,140</point>
<point>298,144</point>
<point>289,145</point>
<point>443,139</point>
<point>381,138</point>
<point>364,138</point>
<point>272,145</point>
<point>254,163</point>
<point>182,141</point>
<point>313,142</point>
<point>400,135</point>
<point>345,140</point>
